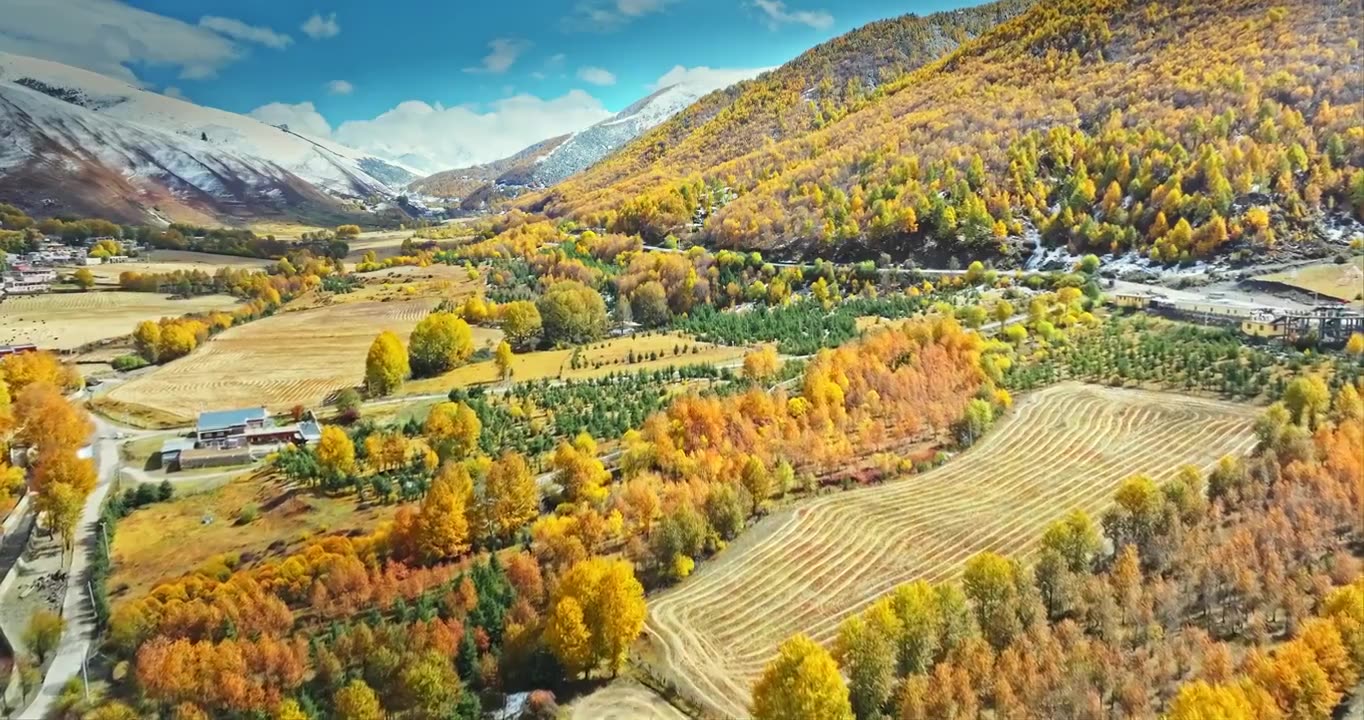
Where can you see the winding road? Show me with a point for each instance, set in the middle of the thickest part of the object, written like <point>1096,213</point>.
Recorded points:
<point>77,609</point>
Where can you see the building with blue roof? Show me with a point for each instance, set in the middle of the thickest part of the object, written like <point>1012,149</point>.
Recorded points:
<point>229,428</point>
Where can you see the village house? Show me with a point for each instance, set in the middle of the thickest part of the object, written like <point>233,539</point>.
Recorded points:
<point>228,428</point>
<point>27,279</point>
<point>234,437</point>
<point>51,254</point>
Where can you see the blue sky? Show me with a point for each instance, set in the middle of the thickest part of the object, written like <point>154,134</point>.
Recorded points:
<point>401,72</point>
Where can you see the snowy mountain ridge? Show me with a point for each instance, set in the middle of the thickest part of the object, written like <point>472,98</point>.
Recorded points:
<point>87,143</point>
<point>551,161</point>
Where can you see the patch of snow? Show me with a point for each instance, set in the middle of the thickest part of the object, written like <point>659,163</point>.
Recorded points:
<point>585,148</point>
<point>148,135</point>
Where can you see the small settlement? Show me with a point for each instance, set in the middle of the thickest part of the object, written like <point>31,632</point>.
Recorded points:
<point>33,273</point>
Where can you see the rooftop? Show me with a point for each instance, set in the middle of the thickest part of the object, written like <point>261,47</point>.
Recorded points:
<point>223,419</point>
<point>177,444</point>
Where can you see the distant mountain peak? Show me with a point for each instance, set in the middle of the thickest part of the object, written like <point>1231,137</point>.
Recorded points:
<point>548,162</point>
<point>87,143</point>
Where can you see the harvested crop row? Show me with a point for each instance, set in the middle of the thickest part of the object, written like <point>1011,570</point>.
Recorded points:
<point>624,700</point>
<point>809,567</point>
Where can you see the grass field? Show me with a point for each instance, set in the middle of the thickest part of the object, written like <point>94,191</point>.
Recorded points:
<point>165,261</point>
<point>385,244</point>
<point>612,355</point>
<point>293,358</point>
<point>1342,282</point>
<point>805,569</point>
<point>399,283</point>
<point>623,699</point>
<point>61,321</point>
<point>166,540</point>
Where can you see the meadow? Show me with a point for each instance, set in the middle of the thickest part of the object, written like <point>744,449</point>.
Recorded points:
<point>64,321</point>
<point>291,358</point>
<point>208,530</point>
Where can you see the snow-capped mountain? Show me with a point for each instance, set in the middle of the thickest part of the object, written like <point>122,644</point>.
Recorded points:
<point>550,161</point>
<point>79,142</point>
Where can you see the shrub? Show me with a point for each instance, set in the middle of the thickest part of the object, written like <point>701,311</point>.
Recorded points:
<point>124,363</point>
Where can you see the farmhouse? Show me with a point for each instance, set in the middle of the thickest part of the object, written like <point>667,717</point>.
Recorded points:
<point>27,279</point>
<point>1134,300</point>
<point>1264,324</point>
<point>228,428</point>
<point>249,427</point>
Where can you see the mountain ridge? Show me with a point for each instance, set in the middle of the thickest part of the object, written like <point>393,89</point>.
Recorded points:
<point>550,161</point>
<point>1110,127</point>
<point>92,144</point>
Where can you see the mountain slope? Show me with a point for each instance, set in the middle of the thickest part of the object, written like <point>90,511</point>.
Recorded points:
<point>1177,130</point>
<point>551,161</point>
<point>814,89</point>
<point>88,144</point>
<point>463,182</point>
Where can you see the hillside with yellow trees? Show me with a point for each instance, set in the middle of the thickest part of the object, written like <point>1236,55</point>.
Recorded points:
<point>820,86</point>
<point>1179,130</point>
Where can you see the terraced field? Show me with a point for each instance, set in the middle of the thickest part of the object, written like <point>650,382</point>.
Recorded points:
<point>805,569</point>
<point>293,358</point>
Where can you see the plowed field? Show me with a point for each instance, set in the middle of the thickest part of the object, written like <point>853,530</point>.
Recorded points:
<point>805,569</point>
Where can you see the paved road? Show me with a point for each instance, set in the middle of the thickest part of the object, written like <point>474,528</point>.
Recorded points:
<point>76,607</point>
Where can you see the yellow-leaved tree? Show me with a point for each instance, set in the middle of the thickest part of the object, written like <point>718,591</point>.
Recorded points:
<point>452,429</point>
<point>801,683</point>
<point>503,356</point>
<point>1202,701</point>
<point>47,421</point>
<point>442,529</point>
<point>760,365</point>
<point>386,365</point>
<point>510,494</point>
<point>567,637</point>
<point>335,451</point>
<point>357,701</point>
<point>440,342</point>
<point>607,600</point>
<point>581,474</point>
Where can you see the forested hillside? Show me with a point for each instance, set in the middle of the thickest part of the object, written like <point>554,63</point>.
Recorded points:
<point>815,89</point>
<point>1175,129</point>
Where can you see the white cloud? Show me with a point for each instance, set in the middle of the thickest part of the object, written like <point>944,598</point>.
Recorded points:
<point>239,30</point>
<point>596,75</point>
<point>111,37</point>
<point>503,53</point>
<point>173,91</point>
<point>610,15</point>
<point>440,138</point>
<point>776,15</point>
<point>318,27</point>
<point>340,87</point>
<point>303,118</point>
<point>705,79</point>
